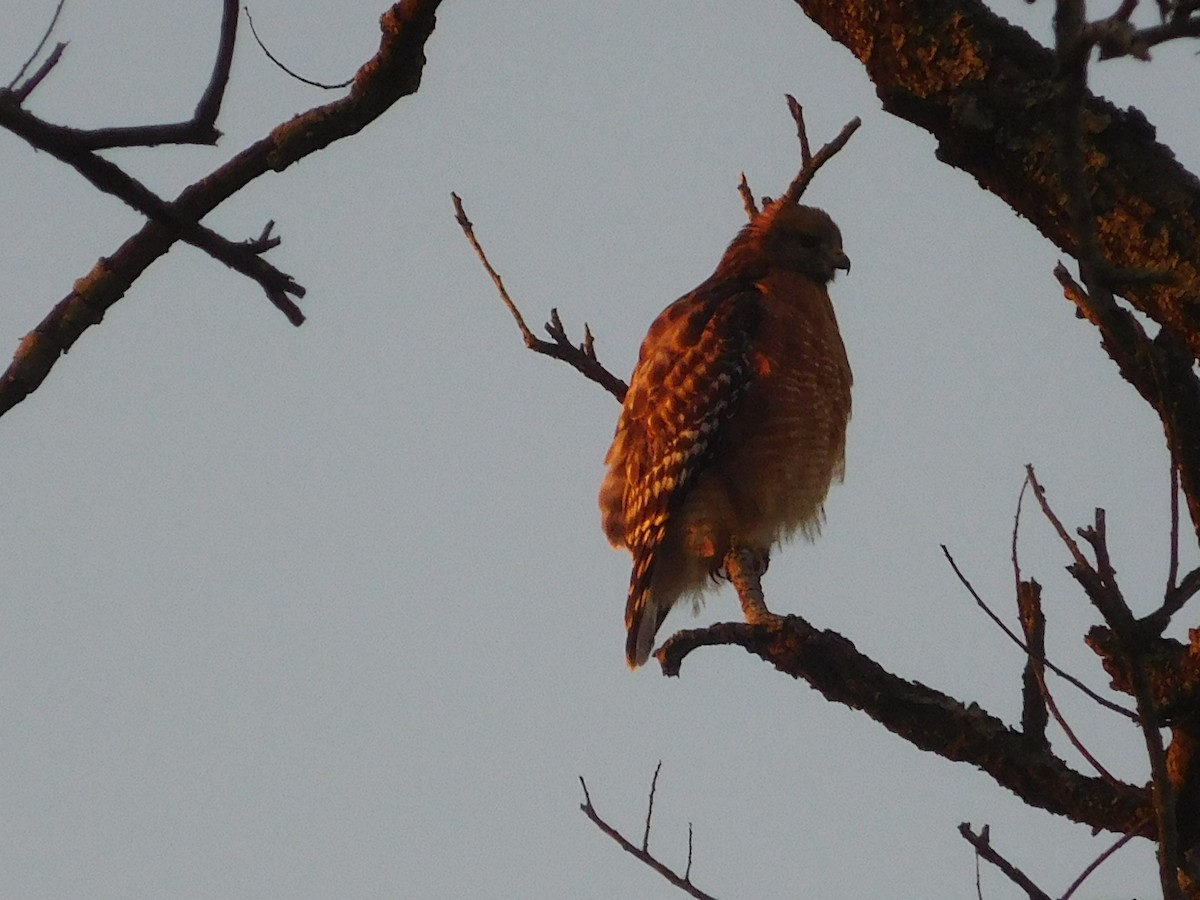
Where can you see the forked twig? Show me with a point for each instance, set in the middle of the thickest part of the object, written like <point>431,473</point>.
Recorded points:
<point>982,844</point>
<point>1099,583</point>
<point>683,882</point>
<point>1051,705</point>
<point>26,88</point>
<point>1066,676</point>
<point>809,171</point>
<point>582,357</point>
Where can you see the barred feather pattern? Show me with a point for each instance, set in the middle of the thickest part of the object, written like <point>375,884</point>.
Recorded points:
<point>735,421</point>
<point>670,425</point>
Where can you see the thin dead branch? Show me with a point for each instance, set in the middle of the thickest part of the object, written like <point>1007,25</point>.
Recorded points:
<point>683,882</point>
<point>200,129</point>
<point>1099,584</point>
<point>22,92</point>
<point>582,357</point>
<point>650,807</point>
<point>797,112</point>
<point>809,171</point>
<point>393,72</point>
<point>1061,673</point>
<point>298,77</point>
<point>1095,864</point>
<point>982,844</point>
<point>25,90</point>
<point>1043,690</point>
<point>109,178</point>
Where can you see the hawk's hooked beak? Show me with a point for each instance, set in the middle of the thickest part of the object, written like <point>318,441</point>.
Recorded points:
<point>841,261</point>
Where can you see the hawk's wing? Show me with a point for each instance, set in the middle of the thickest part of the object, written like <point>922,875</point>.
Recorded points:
<point>690,377</point>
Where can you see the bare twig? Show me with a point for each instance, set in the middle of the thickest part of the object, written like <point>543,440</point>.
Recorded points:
<point>650,806</point>
<point>983,847</point>
<point>802,180</point>
<point>199,129</point>
<point>582,357</point>
<point>25,89</point>
<point>978,879</point>
<point>797,112</point>
<point>1099,583</point>
<point>687,873</point>
<point>393,72</point>
<point>110,178</point>
<point>1095,864</point>
<point>21,93</point>
<point>683,882</point>
<point>747,198</point>
<point>1053,707</point>
<point>301,78</point>
<point>1066,676</point>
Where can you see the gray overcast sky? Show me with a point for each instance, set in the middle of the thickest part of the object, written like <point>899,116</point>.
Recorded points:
<point>326,612</point>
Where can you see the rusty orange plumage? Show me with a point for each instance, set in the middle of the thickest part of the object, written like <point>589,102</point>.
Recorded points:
<point>734,426</point>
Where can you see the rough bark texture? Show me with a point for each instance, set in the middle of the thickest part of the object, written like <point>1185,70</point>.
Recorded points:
<point>928,719</point>
<point>987,91</point>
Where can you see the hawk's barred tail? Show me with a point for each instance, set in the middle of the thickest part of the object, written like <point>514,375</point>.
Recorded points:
<point>642,615</point>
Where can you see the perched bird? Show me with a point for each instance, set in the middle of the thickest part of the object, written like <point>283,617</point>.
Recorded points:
<point>734,426</point>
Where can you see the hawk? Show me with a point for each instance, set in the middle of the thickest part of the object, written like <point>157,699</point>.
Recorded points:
<point>734,426</point>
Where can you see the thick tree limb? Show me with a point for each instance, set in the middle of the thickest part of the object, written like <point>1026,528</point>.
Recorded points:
<point>988,92</point>
<point>394,72</point>
<point>926,718</point>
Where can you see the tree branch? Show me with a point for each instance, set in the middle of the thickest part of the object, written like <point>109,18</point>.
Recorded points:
<point>983,846</point>
<point>200,129</point>
<point>582,358</point>
<point>394,72</point>
<point>25,89</point>
<point>988,93</point>
<point>683,882</point>
<point>111,179</point>
<point>926,718</point>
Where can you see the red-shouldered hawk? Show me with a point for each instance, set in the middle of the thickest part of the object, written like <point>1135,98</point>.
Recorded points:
<point>734,426</point>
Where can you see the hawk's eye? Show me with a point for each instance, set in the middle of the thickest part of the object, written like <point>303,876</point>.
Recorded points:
<point>807,240</point>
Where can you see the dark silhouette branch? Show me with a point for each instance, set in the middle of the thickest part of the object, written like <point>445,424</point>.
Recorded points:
<point>108,177</point>
<point>1100,586</point>
<point>25,89</point>
<point>200,129</point>
<point>394,72</point>
<point>926,718</point>
<point>300,78</point>
<point>582,357</point>
<point>983,847</point>
<point>683,882</point>
<point>1066,676</point>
